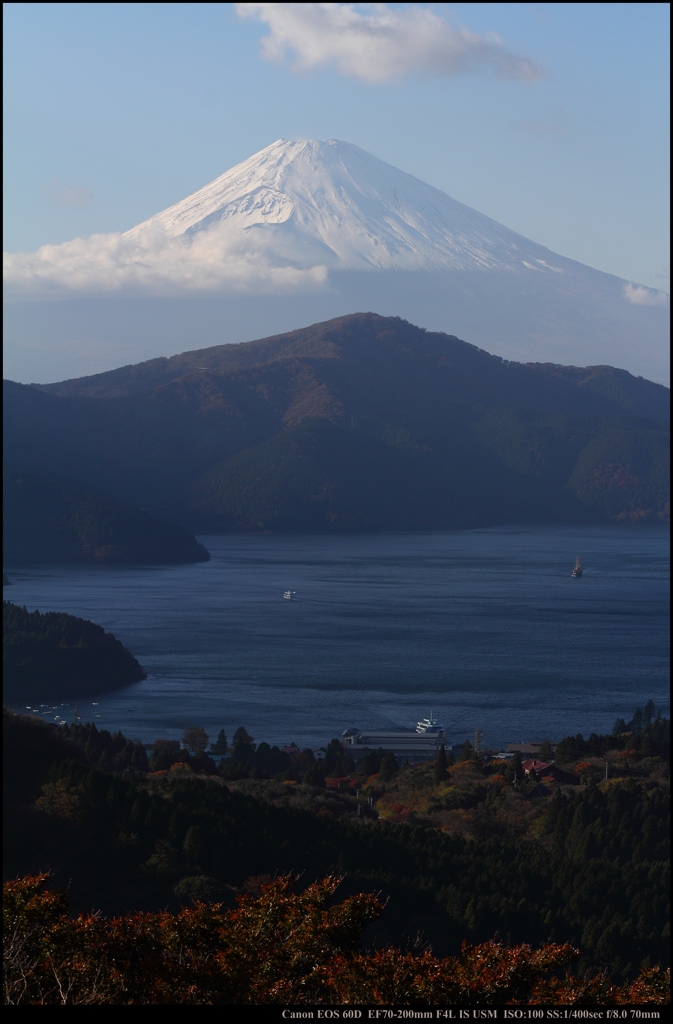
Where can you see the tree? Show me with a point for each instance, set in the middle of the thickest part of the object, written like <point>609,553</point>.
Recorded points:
<point>466,751</point>
<point>195,738</point>
<point>441,767</point>
<point>333,753</point>
<point>636,722</point>
<point>139,761</point>
<point>275,947</point>
<point>388,769</point>
<point>220,744</point>
<point>515,771</point>
<point>370,763</point>
<point>164,754</point>
<point>648,712</point>
<point>546,752</point>
<point>242,747</point>
<point>314,776</point>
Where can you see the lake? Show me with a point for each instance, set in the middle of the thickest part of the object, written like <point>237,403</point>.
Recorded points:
<point>483,627</point>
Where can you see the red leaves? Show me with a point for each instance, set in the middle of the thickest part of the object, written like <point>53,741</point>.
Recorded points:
<point>279,947</point>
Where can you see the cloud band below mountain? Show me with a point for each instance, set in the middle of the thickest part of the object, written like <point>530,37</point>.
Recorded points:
<point>152,263</point>
<point>379,43</point>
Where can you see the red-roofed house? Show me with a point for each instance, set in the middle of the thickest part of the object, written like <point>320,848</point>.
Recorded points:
<point>539,770</point>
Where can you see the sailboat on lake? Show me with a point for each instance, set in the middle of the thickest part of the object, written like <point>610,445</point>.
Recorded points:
<point>577,571</point>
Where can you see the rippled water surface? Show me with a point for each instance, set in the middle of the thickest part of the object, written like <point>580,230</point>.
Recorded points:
<point>486,628</point>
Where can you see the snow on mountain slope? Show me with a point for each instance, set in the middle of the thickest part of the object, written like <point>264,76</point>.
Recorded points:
<point>333,204</point>
<point>302,232</point>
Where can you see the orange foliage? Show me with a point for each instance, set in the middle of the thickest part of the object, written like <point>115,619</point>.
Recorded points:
<point>276,948</point>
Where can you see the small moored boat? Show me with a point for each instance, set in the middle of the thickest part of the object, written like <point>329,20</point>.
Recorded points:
<point>289,595</point>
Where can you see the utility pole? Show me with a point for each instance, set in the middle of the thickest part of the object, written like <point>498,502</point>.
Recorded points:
<point>477,742</point>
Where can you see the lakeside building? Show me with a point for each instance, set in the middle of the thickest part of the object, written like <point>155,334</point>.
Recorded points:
<point>414,747</point>
<point>529,749</point>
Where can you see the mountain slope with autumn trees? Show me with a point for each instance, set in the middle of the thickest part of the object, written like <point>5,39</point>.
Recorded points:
<point>360,423</point>
<point>461,858</point>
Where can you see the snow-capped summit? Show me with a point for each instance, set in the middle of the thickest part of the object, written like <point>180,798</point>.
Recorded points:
<point>305,231</point>
<point>311,202</point>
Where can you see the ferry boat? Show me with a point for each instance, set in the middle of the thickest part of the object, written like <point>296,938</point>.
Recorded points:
<point>289,595</point>
<point>430,725</point>
<point>577,571</point>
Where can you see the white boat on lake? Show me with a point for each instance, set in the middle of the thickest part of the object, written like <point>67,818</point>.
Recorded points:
<point>430,725</point>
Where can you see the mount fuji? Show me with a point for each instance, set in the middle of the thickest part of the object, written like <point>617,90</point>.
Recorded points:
<point>305,231</point>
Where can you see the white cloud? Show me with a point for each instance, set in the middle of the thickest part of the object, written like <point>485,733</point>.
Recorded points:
<point>60,194</point>
<point>639,295</point>
<point>152,263</point>
<point>376,43</point>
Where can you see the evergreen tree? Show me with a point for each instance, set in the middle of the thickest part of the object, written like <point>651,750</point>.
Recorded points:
<point>467,751</point>
<point>441,767</point>
<point>636,722</point>
<point>314,776</point>
<point>164,754</point>
<point>546,752</point>
<point>139,761</point>
<point>220,744</point>
<point>515,771</point>
<point>388,769</point>
<point>333,754</point>
<point>242,747</point>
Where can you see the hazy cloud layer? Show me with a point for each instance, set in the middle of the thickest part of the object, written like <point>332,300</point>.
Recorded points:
<point>639,295</point>
<point>152,263</point>
<point>60,194</point>
<point>376,43</point>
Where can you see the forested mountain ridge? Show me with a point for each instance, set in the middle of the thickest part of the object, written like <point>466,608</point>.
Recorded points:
<point>47,519</point>
<point>363,422</point>
<point>54,656</point>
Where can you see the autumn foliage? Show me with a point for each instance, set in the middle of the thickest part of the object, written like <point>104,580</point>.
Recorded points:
<point>280,947</point>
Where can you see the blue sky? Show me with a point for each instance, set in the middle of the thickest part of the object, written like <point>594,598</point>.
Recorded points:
<point>551,118</point>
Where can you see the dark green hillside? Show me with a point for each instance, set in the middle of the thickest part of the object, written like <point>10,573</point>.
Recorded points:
<point>320,476</point>
<point>625,470</point>
<point>57,656</point>
<point>360,423</point>
<point>50,520</point>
